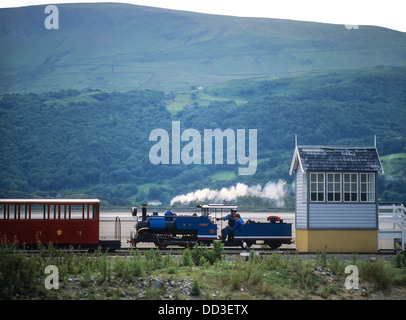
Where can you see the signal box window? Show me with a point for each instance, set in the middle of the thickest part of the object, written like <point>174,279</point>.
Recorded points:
<point>333,187</point>
<point>350,187</point>
<point>367,187</point>
<point>317,187</point>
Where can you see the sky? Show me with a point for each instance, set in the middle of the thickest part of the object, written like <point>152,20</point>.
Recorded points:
<point>383,13</point>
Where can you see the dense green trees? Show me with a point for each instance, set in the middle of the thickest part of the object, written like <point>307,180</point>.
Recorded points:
<point>96,143</point>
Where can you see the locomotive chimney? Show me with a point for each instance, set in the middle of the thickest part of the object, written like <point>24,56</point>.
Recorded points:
<point>144,212</point>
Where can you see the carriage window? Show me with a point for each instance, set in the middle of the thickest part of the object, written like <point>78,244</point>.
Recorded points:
<point>12,208</point>
<point>367,187</point>
<point>24,211</point>
<point>93,210</point>
<point>78,211</point>
<point>350,187</point>
<point>317,187</point>
<point>3,211</point>
<point>39,211</point>
<point>52,211</point>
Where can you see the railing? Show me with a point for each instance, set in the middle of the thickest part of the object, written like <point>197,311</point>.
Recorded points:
<point>392,223</point>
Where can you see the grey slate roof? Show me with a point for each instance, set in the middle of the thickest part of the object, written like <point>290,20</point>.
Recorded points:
<point>319,158</point>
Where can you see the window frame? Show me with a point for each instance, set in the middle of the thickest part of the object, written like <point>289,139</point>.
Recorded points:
<point>367,191</point>
<point>351,192</point>
<point>317,183</point>
<point>333,183</point>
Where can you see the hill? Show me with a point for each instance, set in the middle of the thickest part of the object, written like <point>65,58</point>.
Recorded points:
<point>96,143</point>
<point>125,47</point>
<point>77,104</point>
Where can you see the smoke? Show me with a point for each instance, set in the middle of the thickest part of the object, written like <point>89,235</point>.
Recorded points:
<point>274,191</point>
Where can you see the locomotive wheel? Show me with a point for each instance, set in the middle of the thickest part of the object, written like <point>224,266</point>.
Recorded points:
<point>247,244</point>
<point>162,245</point>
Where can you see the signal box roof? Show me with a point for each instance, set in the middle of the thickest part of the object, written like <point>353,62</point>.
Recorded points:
<point>320,158</point>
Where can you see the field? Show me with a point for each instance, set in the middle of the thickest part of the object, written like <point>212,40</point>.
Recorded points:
<point>199,273</point>
<point>394,164</point>
<point>77,104</point>
<point>113,46</point>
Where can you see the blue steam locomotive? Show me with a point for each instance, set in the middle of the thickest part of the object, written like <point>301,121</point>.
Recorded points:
<point>187,230</point>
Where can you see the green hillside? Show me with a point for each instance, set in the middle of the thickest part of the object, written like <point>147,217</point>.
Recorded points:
<point>95,143</point>
<point>77,104</point>
<point>111,46</point>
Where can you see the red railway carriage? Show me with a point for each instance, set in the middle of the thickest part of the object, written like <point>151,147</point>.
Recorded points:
<point>60,221</point>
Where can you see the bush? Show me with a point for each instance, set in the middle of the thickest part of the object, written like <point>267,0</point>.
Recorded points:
<point>186,258</point>
<point>154,260</point>
<point>127,268</point>
<point>400,260</point>
<point>18,275</point>
<point>377,272</point>
<point>202,255</point>
<point>195,288</point>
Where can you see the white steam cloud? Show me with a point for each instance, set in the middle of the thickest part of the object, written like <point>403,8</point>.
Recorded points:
<point>274,191</point>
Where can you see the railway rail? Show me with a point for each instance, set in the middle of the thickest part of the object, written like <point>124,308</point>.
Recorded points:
<point>230,251</point>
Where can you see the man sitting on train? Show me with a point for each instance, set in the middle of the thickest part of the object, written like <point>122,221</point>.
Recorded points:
<point>230,231</point>
<point>231,218</point>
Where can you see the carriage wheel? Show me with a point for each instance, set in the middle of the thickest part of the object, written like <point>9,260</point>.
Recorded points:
<point>273,245</point>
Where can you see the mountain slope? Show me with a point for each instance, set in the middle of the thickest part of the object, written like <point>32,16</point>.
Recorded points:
<point>97,143</point>
<point>123,47</point>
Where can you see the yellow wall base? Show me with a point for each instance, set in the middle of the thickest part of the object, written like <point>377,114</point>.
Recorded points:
<point>337,240</point>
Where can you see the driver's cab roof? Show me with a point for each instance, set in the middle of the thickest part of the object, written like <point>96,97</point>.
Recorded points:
<point>217,206</point>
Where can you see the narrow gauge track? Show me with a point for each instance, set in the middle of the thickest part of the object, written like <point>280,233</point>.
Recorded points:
<point>261,251</point>
<point>172,251</point>
<point>231,251</point>
<point>179,251</point>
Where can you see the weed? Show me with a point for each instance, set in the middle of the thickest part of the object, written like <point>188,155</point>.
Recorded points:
<point>377,272</point>
<point>337,266</point>
<point>18,275</point>
<point>209,255</point>
<point>171,270</point>
<point>99,276</point>
<point>399,276</point>
<point>400,260</point>
<point>195,288</point>
<point>169,261</point>
<point>322,257</point>
<point>104,269</point>
<point>274,261</point>
<point>186,258</point>
<point>154,260</point>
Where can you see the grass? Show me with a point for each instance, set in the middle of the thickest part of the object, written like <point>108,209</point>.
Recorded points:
<point>199,273</point>
<point>194,97</point>
<point>394,164</point>
<point>223,175</point>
